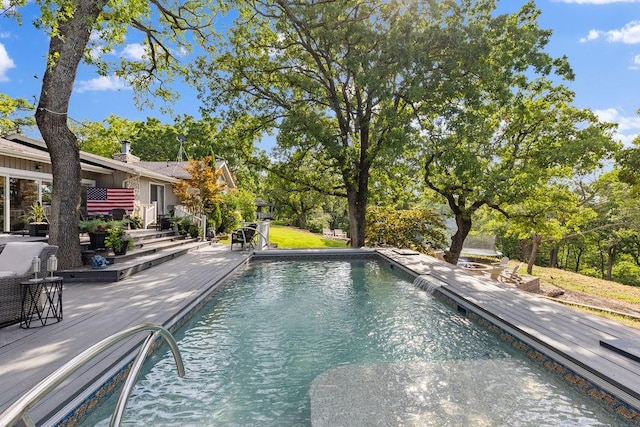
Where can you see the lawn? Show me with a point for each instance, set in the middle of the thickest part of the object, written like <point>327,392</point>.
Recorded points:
<point>290,238</point>
<point>295,238</point>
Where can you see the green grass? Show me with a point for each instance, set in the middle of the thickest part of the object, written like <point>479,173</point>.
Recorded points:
<point>293,238</point>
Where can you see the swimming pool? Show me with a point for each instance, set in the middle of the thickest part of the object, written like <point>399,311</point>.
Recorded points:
<point>253,352</point>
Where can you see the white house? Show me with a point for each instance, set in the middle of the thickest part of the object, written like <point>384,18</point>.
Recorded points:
<point>25,177</point>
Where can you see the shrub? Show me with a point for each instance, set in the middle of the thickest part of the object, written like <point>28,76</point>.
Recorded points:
<point>318,220</point>
<point>626,272</point>
<point>118,239</point>
<point>231,220</point>
<point>419,229</point>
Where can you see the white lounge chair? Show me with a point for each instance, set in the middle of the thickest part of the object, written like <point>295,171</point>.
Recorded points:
<point>15,267</point>
<point>339,234</point>
<point>512,276</point>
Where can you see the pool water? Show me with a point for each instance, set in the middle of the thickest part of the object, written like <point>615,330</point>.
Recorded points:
<point>252,353</point>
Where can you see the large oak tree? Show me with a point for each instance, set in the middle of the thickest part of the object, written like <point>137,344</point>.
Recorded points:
<point>504,128</point>
<point>335,73</point>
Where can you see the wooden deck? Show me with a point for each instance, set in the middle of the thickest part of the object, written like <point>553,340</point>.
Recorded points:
<point>94,311</point>
<point>570,337</point>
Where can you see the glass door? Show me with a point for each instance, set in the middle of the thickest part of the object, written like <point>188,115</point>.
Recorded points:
<point>157,195</point>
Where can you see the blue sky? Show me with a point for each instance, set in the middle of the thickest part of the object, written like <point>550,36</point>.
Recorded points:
<point>601,38</point>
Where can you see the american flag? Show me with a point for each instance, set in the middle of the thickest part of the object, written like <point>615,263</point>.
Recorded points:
<point>101,200</point>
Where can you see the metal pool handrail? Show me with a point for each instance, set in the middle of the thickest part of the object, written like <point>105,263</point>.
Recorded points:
<point>20,408</point>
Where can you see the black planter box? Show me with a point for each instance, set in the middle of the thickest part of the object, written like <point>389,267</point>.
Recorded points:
<point>96,240</point>
<point>38,229</point>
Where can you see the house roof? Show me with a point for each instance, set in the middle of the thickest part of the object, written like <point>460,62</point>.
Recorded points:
<point>21,146</point>
<point>175,169</point>
<point>12,148</point>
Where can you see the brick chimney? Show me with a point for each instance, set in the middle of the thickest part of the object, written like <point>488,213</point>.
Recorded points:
<point>125,155</point>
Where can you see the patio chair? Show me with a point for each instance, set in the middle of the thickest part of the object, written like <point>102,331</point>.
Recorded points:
<point>339,234</point>
<point>15,267</point>
<point>511,276</point>
<point>499,267</point>
<point>244,236</point>
<point>118,214</point>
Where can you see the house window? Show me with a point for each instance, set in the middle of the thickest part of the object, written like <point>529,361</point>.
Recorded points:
<point>2,201</point>
<point>22,194</point>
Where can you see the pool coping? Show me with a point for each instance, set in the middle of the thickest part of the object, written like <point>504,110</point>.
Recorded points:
<point>618,398</point>
<point>621,400</point>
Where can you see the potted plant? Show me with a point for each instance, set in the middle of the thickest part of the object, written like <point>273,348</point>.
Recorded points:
<point>184,224</point>
<point>194,230</point>
<point>135,222</point>
<point>38,225</point>
<point>98,230</point>
<point>118,240</point>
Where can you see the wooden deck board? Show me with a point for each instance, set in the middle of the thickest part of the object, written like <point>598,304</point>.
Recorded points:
<point>565,329</point>
<point>95,311</point>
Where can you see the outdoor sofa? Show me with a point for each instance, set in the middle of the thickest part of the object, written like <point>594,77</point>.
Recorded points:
<point>15,267</point>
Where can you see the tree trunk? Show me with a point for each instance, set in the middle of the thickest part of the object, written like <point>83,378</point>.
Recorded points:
<point>611,255</point>
<point>578,256</point>
<point>553,257</point>
<point>463,222</point>
<point>357,217</point>
<point>65,52</point>
<point>535,245</point>
<point>302,218</point>
<point>357,196</point>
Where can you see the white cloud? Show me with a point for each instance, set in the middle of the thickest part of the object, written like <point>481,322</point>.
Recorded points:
<point>627,140</point>
<point>593,35</point>
<point>101,84</point>
<point>628,126</point>
<point>629,34</point>
<point>134,52</point>
<point>6,63</point>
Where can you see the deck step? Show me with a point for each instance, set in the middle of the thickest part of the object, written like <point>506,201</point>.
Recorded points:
<point>131,263</point>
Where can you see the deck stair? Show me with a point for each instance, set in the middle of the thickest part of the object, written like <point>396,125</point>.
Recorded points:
<point>150,248</point>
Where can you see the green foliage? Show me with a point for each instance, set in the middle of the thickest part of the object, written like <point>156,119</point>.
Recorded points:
<point>591,272</point>
<point>419,228</point>
<point>337,92</point>
<point>244,202</point>
<point>36,213</point>
<point>183,224</point>
<point>214,219</point>
<point>505,129</point>
<point>118,239</point>
<point>135,222</point>
<point>195,230</point>
<point>98,225</point>
<point>627,273</point>
<point>318,220</point>
<point>230,219</point>
<point>16,115</point>
<point>104,138</point>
